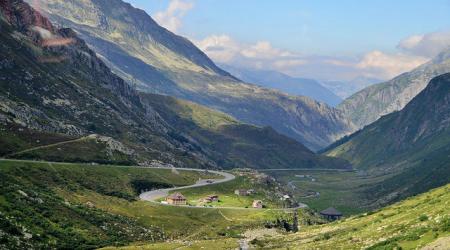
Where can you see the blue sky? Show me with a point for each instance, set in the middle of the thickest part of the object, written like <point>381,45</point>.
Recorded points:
<point>345,29</point>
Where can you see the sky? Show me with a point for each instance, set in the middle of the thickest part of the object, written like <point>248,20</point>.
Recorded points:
<point>322,39</point>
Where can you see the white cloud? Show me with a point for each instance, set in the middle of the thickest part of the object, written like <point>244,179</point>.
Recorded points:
<point>263,55</point>
<point>264,50</point>
<point>260,55</point>
<point>379,64</point>
<point>171,18</point>
<point>426,45</point>
<point>221,48</point>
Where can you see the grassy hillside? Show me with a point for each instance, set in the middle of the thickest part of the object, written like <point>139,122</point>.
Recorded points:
<point>410,224</point>
<point>45,205</point>
<point>412,144</point>
<point>233,143</point>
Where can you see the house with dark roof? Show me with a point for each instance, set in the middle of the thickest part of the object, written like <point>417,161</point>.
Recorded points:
<point>331,213</point>
<point>176,199</point>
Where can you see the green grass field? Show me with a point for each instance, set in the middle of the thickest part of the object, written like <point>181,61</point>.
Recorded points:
<point>342,190</point>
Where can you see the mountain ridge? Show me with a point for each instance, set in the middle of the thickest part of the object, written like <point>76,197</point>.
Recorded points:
<point>369,104</point>
<point>152,66</point>
<point>285,83</point>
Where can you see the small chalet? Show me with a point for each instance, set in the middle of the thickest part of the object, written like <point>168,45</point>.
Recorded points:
<point>257,204</point>
<point>176,199</point>
<point>241,192</point>
<point>211,198</point>
<point>331,214</point>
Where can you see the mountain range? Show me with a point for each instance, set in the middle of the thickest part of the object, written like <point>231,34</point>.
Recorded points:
<point>369,104</point>
<point>157,61</point>
<point>345,89</point>
<point>285,83</point>
<point>60,102</point>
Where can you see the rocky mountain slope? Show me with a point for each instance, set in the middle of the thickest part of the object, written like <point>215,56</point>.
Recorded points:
<point>158,61</point>
<point>287,84</point>
<point>59,102</point>
<point>371,103</point>
<point>411,146</point>
<point>52,82</point>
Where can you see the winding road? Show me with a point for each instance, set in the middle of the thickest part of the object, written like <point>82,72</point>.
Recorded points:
<point>154,195</point>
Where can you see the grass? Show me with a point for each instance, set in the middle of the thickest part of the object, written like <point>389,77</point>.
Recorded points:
<point>204,244</point>
<point>85,149</point>
<point>342,190</point>
<point>400,226</point>
<point>63,205</point>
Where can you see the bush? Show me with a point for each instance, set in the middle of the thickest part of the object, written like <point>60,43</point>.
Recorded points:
<point>423,217</point>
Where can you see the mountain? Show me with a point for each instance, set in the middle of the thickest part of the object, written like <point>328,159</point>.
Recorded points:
<point>226,138</point>
<point>59,102</point>
<point>287,84</point>
<point>53,85</point>
<point>411,146</point>
<point>344,89</point>
<point>371,103</point>
<point>158,61</point>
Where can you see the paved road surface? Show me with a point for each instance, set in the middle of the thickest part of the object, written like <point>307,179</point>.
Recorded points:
<point>160,193</point>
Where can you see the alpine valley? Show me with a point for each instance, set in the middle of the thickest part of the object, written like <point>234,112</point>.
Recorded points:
<point>116,133</point>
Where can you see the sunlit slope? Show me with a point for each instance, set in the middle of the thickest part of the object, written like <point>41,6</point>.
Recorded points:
<point>234,143</point>
<point>410,224</point>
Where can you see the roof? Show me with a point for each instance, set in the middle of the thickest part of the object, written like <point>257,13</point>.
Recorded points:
<point>331,211</point>
<point>176,196</point>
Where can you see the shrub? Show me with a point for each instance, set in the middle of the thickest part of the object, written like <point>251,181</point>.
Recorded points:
<point>423,217</point>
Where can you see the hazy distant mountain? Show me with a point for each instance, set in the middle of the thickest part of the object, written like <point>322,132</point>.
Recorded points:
<point>158,61</point>
<point>413,144</point>
<point>285,83</point>
<point>371,103</point>
<point>344,89</point>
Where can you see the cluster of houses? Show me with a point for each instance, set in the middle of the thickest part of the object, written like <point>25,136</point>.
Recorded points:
<point>179,199</point>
